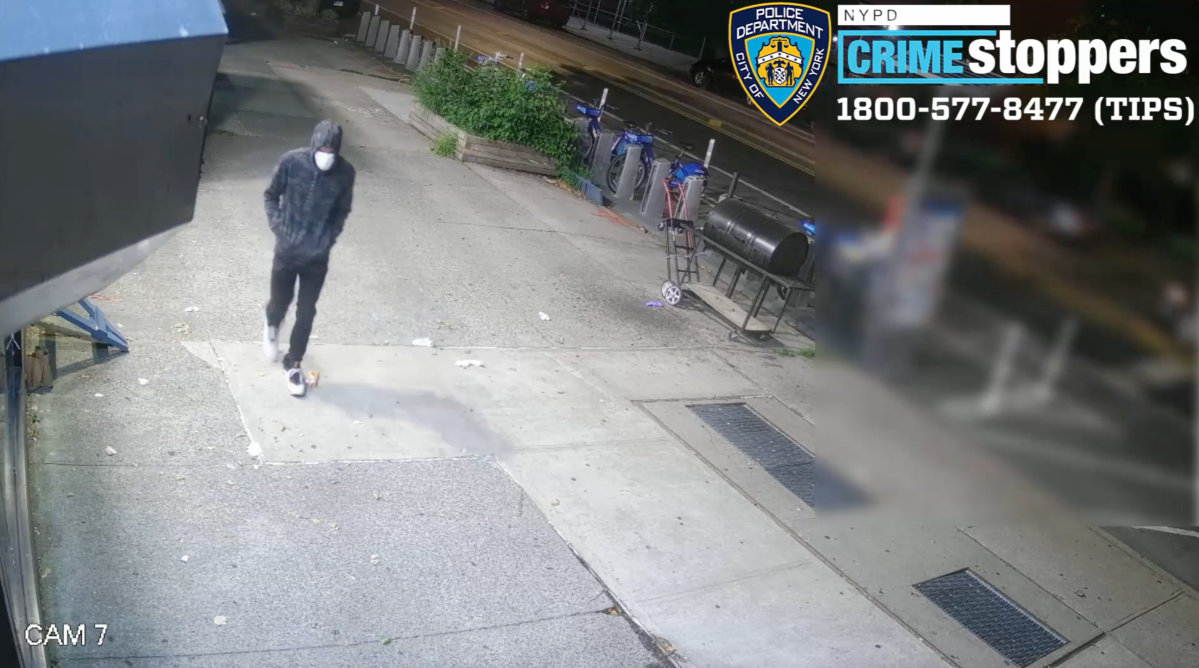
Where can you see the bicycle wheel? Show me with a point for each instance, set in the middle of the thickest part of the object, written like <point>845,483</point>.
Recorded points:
<point>614,170</point>
<point>642,177</point>
<point>587,147</point>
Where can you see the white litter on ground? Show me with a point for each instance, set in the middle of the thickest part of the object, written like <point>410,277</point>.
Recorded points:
<point>466,364</point>
<point>143,381</point>
<point>109,451</point>
<point>424,343</point>
<point>183,558</point>
<point>254,450</point>
<point>99,396</point>
<point>191,309</point>
<point>220,620</point>
<point>374,560</point>
<point>543,316</point>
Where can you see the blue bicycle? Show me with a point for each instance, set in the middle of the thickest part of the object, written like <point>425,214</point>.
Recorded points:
<point>679,171</point>
<point>591,136</point>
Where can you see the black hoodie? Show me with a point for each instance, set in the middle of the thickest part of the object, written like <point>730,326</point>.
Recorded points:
<point>307,208</point>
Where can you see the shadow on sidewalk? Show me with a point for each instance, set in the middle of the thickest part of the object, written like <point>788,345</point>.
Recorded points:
<point>448,418</point>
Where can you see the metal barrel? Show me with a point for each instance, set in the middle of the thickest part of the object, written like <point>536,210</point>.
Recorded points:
<point>769,244</point>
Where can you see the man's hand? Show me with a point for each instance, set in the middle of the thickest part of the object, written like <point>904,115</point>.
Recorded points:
<point>273,192</point>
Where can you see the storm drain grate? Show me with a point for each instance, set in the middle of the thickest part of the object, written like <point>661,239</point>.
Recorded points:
<point>991,616</point>
<point>785,460</point>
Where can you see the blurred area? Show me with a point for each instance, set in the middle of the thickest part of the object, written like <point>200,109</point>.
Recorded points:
<point>1029,286</point>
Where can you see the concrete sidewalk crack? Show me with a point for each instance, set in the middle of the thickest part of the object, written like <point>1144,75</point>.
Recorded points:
<point>302,648</point>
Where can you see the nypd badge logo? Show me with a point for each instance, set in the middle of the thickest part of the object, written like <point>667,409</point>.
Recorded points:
<point>779,51</point>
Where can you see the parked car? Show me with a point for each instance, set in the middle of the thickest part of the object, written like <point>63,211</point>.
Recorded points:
<point>550,12</point>
<point>718,76</point>
<point>344,8</point>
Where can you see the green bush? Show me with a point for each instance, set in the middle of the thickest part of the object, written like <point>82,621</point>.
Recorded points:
<point>498,103</point>
<point>446,144</point>
<point>303,9</point>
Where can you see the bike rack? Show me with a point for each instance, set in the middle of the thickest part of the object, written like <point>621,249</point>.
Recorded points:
<point>655,198</point>
<point>602,157</point>
<point>628,173</point>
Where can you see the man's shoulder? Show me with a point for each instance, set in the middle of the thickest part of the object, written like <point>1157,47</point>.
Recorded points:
<point>294,155</point>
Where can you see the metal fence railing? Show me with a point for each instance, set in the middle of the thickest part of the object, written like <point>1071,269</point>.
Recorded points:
<point>617,17</point>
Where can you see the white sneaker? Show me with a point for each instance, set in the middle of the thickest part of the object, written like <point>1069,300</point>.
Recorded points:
<point>295,382</point>
<point>270,343</point>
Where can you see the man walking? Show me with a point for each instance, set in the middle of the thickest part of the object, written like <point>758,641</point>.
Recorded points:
<point>307,203</point>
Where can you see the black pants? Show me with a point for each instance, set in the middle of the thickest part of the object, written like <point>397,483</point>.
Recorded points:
<point>311,274</point>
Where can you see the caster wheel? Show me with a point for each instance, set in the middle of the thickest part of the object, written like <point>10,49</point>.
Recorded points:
<point>671,293</point>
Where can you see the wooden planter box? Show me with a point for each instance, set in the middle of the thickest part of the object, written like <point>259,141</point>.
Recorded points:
<point>319,27</point>
<point>482,151</point>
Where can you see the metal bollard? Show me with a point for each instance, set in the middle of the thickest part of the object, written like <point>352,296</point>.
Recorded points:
<point>426,53</point>
<point>654,201</point>
<point>688,205</point>
<point>733,184</point>
<point>628,173</point>
<point>603,155</point>
<point>364,25</point>
<point>381,38</point>
<point>413,53</point>
<point>996,394</point>
<point>401,55</point>
<point>1046,387</point>
<point>393,42</point>
<point>372,32</point>
<point>439,55</point>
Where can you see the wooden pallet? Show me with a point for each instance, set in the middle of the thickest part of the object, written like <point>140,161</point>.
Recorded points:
<point>727,308</point>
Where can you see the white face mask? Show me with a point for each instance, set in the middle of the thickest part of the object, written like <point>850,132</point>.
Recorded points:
<point>324,161</point>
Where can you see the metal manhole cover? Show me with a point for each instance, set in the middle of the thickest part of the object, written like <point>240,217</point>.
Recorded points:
<point>991,616</point>
<point>785,460</point>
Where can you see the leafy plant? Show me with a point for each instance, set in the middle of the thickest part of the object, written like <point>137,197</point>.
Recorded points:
<point>302,9</point>
<point>501,104</point>
<point>446,144</point>
<point>806,353</point>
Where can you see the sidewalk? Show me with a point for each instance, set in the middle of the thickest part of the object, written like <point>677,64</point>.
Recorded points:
<point>412,513</point>
<point>673,60</point>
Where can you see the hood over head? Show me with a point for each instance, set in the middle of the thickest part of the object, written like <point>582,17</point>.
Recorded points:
<point>326,133</point>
